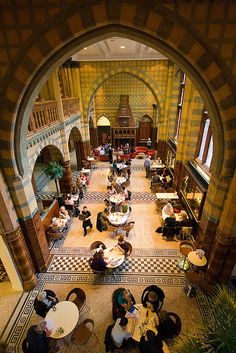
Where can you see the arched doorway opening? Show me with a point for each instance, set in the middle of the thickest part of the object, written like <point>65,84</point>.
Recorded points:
<point>104,130</point>
<point>145,129</point>
<point>40,181</point>
<point>75,149</point>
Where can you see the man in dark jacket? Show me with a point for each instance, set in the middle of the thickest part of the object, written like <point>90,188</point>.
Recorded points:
<point>38,338</point>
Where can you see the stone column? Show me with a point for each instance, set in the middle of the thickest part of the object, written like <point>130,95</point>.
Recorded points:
<point>66,181</point>
<point>16,243</point>
<point>222,258</point>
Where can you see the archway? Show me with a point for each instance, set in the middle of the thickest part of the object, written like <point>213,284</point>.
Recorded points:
<point>145,129</point>
<point>41,183</point>
<point>104,130</point>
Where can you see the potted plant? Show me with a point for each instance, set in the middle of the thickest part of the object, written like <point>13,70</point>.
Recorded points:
<point>219,335</point>
<point>54,171</point>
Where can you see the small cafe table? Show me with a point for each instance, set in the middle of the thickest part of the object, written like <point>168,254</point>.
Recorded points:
<point>64,315</point>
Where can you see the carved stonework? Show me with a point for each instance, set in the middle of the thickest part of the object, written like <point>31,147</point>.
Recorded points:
<point>36,241</point>
<point>18,248</point>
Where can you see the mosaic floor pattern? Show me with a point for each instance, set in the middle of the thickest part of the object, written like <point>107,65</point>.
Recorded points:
<point>70,268</point>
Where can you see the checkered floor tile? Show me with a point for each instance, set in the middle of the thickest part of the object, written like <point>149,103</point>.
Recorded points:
<point>136,196</point>
<point>134,265</point>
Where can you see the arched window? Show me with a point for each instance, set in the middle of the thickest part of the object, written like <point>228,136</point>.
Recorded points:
<point>204,150</point>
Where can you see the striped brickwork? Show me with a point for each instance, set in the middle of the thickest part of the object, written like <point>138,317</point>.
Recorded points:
<point>167,116</point>
<point>139,79</point>
<point>190,123</point>
<point>173,103</point>
<point>215,21</point>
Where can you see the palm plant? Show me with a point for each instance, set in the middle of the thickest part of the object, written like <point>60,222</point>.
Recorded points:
<point>54,171</point>
<point>216,336</point>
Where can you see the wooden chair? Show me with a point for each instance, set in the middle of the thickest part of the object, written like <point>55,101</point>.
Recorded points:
<point>56,235</point>
<point>160,189</point>
<point>170,190</point>
<point>83,332</point>
<point>160,295</point>
<point>42,309</point>
<point>130,249</point>
<point>97,244</point>
<point>185,247</point>
<point>24,346</point>
<point>79,298</point>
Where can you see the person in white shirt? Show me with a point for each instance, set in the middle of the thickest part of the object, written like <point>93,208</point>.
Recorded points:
<point>167,210</point>
<point>119,332</point>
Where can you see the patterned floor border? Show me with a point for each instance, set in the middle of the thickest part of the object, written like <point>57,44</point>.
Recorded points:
<point>168,279</point>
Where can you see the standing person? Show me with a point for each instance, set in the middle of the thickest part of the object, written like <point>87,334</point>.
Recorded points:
<point>38,338</point>
<point>149,143</point>
<point>87,221</point>
<point>147,166</point>
<point>110,153</point>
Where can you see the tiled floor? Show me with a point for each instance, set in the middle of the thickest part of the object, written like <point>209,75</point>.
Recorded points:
<point>153,260</point>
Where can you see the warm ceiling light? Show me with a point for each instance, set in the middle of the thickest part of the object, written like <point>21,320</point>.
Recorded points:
<point>122,47</point>
<point>85,48</point>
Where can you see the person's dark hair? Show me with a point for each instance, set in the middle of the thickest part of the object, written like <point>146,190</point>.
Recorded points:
<point>152,298</point>
<point>123,321</point>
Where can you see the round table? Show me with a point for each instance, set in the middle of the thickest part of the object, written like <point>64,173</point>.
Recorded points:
<point>121,180</point>
<point>118,219</point>
<point>63,315</point>
<point>115,255</point>
<point>117,198</point>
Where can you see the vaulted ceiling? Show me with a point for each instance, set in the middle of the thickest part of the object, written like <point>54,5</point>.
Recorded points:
<point>117,48</point>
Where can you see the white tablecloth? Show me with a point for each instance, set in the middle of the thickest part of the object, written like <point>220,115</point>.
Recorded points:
<point>118,218</point>
<point>65,316</point>
<point>115,256</point>
<point>117,198</point>
<point>167,195</point>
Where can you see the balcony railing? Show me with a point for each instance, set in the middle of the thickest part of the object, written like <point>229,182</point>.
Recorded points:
<point>45,113</point>
<point>70,107</point>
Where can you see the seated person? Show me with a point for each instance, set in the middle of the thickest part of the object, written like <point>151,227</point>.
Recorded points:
<point>84,179</point>
<point>38,338</point>
<point>79,182</point>
<point>170,221</point>
<point>74,189</point>
<point>111,190</point>
<point>159,161</point>
<point>124,207</point>
<point>151,301</point>
<point>69,201</point>
<point>151,343</point>
<point>44,302</point>
<point>123,244</point>
<point>119,332</point>
<point>98,262</point>
<point>63,213</point>
<point>185,221</point>
<point>155,179</point>
<point>123,302</point>
<point>167,210</point>
<point>125,193</point>
<point>58,225</point>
